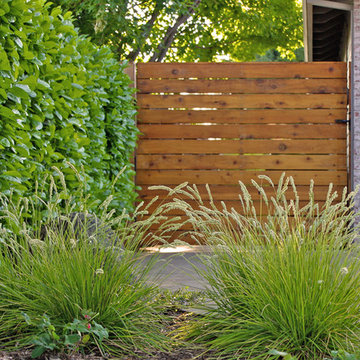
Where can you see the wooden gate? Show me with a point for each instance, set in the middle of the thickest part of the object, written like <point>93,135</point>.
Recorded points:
<point>218,123</point>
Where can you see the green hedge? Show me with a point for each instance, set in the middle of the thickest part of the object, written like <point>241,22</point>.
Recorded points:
<point>62,99</point>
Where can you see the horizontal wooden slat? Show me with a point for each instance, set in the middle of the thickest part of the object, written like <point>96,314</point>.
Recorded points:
<point>317,131</point>
<point>223,192</point>
<point>164,223</point>
<point>244,86</point>
<point>241,70</point>
<point>260,207</point>
<point>187,226</point>
<point>228,177</point>
<point>226,116</point>
<point>312,146</point>
<point>250,101</point>
<point>209,162</point>
<point>181,236</point>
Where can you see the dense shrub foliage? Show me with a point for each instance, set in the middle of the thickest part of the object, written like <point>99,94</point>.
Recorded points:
<point>61,99</point>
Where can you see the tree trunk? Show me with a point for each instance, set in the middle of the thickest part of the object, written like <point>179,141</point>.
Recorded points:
<point>147,29</point>
<point>163,47</point>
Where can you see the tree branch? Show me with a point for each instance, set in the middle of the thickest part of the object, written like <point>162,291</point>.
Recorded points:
<point>147,28</point>
<point>163,47</point>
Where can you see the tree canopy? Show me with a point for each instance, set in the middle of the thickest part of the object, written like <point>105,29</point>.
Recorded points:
<point>190,30</point>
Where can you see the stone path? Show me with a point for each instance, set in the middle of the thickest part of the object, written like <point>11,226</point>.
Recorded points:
<point>178,268</point>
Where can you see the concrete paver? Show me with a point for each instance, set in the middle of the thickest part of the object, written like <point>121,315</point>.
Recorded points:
<point>179,269</point>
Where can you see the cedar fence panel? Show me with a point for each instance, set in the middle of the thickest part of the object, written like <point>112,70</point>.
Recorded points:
<point>218,123</point>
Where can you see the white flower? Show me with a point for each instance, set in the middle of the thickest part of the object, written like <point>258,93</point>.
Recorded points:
<point>99,271</point>
<point>344,270</point>
<point>320,281</point>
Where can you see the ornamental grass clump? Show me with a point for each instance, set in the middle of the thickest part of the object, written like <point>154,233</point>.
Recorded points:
<point>67,274</point>
<point>284,281</point>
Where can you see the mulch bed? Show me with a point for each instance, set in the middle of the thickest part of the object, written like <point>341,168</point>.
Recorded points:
<point>180,354</point>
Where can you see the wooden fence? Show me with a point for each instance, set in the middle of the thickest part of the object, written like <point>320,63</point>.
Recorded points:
<point>218,123</point>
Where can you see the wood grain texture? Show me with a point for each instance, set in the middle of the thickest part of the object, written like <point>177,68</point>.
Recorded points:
<point>187,226</point>
<point>248,131</point>
<point>228,192</point>
<point>227,116</point>
<point>183,236</point>
<point>242,101</point>
<point>252,146</point>
<point>329,70</point>
<point>231,177</point>
<point>218,123</point>
<point>244,86</point>
<point>235,162</point>
<point>260,207</point>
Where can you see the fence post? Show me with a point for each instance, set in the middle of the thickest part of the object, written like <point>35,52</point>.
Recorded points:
<point>131,72</point>
<point>355,103</point>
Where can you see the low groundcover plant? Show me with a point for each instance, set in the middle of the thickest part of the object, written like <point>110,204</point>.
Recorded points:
<point>73,337</point>
<point>50,278</point>
<point>285,281</point>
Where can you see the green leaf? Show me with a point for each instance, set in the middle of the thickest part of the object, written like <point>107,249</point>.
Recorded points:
<point>77,86</point>
<point>11,179</point>
<point>100,331</point>
<point>26,89</point>
<point>43,83</point>
<point>50,44</point>
<point>5,142</point>
<point>7,113</point>
<point>72,339</point>
<point>277,353</point>
<point>28,55</point>
<point>22,150</point>
<point>38,351</point>
<point>13,97</point>
<point>15,173</point>
<point>18,92</point>
<point>4,8</point>
<point>27,318</point>
<point>3,94</point>
<point>18,42</point>
<point>4,61</point>
<point>30,80</point>
<point>85,339</point>
<point>289,357</point>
